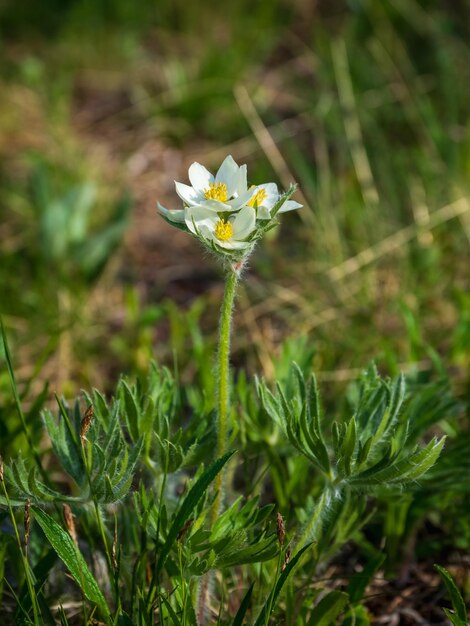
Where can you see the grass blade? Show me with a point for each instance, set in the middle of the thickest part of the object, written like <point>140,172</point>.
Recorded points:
<point>271,601</point>
<point>238,619</point>
<point>189,503</point>
<point>455,597</point>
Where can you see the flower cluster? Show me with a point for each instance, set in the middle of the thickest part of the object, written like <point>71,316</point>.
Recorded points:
<point>223,212</point>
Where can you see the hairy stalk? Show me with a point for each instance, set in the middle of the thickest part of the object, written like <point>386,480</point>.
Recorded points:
<point>223,406</point>
<point>223,385</point>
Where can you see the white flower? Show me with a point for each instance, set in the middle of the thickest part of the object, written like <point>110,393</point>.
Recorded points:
<point>230,234</point>
<point>228,191</point>
<point>226,216</point>
<point>265,197</point>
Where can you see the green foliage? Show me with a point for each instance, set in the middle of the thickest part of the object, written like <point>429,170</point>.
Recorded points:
<point>378,144</point>
<point>73,559</point>
<point>68,238</point>
<point>365,451</point>
<point>328,609</point>
<point>187,507</point>
<point>459,615</point>
<point>280,582</point>
<point>151,433</point>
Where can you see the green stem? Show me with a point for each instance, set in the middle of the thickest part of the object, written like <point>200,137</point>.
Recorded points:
<point>223,384</point>
<point>26,566</point>
<point>223,404</point>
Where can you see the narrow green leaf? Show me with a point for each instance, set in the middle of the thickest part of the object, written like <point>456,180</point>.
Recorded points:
<point>243,608</point>
<point>328,609</point>
<point>348,446</point>
<point>456,599</point>
<point>40,574</point>
<point>175,619</point>
<point>124,620</point>
<point>453,619</point>
<point>189,503</point>
<point>270,602</point>
<point>131,410</point>
<point>72,558</point>
<point>359,581</point>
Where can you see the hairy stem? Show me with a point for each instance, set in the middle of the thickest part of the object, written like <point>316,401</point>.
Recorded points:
<point>223,385</point>
<point>223,405</point>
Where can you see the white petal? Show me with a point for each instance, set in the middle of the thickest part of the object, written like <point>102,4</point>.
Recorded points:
<point>290,205</point>
<point>232,244</point>
<point>263,213</point>
<point>270,188</point>
<point>199,216</point>
<point>228,174</point>
<point>244,223</point>
<point>187,193</point>
<point>242,199</point>
<point>272,195</point>
<point>209,234</point>
<point>173,216</point>
<point>216,205</point>
<point>199,177</point>
<point>242,185</point>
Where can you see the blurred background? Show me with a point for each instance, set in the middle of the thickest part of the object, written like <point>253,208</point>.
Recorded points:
<point>365,104</point>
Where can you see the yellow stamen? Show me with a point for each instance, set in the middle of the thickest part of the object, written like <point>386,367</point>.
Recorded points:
<point>216,191</point>
<point>223,230</point>
<point>257,199</point>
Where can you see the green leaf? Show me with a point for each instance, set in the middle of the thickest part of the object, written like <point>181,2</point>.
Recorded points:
<point>262,550</point>
<point>359,581</point>
<point>328,609</point>
<point>131,410</point>
<point>68,552</point>
<point>459,618</point>
<point>124,620</point>
<point>403,470</point>
<point>189,503</point>
<point>243,608</point>
<point>40,574</point>
<point>176,621</point>
<point>270,602</point>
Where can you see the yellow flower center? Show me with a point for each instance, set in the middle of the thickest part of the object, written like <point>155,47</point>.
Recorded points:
<point>257,199</point>
<point>223,230</point>
<point>216,191</point>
